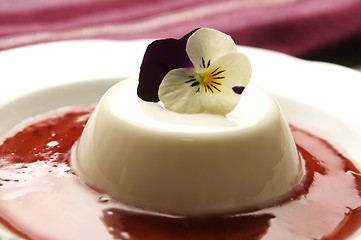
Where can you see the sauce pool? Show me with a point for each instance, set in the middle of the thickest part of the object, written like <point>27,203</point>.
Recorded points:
<point>42,198</point>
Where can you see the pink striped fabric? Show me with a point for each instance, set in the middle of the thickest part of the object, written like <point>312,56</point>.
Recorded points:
<point>292,26</point>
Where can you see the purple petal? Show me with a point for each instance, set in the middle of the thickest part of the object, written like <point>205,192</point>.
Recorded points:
<point>238,89</point>
<point>184,39</point>
<point>161,57</point>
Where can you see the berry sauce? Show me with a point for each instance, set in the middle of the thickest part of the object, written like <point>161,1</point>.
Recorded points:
<point>42,198</point>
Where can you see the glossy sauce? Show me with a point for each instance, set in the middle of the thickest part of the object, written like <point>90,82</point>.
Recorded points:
<point>41,198</point>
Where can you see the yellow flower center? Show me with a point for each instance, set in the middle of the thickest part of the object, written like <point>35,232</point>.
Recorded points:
<point>211,80</point>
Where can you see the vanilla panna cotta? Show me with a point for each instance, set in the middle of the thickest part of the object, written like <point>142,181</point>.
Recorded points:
<point>188,164</point>
<point>180,139</point>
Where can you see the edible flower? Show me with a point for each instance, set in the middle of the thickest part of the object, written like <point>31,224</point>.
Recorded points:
<point>201,72</point>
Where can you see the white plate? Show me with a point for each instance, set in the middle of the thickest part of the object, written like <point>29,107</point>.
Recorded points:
<point>323,98</point>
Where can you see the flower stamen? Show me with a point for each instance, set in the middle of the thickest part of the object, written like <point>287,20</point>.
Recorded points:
<point>209,81</point>
<point>217,73</point>
<point>215,70</point>
<point>215,87</point>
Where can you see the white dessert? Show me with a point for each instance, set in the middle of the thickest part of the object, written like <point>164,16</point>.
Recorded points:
<point>189,164</point>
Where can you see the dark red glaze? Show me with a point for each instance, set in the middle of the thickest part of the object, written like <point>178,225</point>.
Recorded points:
<point>41,198</point>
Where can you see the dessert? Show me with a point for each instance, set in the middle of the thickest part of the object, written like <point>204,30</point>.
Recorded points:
<point>189,164</point>
<point>177,157</point>
<point>44,166</point>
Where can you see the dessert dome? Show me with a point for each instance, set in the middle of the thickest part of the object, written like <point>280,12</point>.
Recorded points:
<point>181,142</point>
<point>149,157</point>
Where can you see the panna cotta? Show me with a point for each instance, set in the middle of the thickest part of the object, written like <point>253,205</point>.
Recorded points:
<point>155,159</point>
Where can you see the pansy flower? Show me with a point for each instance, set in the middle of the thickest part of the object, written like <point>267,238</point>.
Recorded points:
<point>201,72</point>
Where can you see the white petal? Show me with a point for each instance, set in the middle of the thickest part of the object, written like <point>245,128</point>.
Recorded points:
<point>237,68</point>
<point>209,44</point>
<point>237,73</point>
<point>177,95</point>
<point>219,103</point>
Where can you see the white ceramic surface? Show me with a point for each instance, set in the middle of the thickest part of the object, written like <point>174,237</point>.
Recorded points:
<point>323,98</point>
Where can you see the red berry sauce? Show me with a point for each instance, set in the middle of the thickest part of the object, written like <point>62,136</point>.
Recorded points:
<point>42,198</point>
